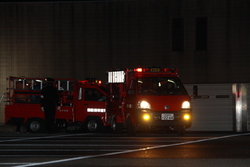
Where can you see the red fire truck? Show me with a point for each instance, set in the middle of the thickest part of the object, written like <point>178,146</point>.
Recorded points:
<point>148,98</point>
<point>82,103</point>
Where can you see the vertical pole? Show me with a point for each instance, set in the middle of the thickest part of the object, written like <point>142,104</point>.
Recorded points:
<point>240,91</point>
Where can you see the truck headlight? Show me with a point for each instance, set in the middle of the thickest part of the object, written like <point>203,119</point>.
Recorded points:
<point>186,105</point>
<point>143,105</point>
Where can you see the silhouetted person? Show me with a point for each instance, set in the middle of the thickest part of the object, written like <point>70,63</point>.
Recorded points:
<point>49,102</point>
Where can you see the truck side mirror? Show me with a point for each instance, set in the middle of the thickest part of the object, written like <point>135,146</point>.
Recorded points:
<point>195,91</point>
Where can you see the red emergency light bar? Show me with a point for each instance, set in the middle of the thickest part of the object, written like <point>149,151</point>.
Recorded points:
<point>169,70</point>
<point>92,81</point>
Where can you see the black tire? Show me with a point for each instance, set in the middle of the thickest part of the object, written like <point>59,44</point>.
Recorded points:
<point>130,127</point>
<point>92,125</point>
<point>116,127</point>
<point>35,125</point>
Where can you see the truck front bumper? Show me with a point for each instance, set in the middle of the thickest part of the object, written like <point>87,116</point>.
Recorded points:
<point>164,119</point>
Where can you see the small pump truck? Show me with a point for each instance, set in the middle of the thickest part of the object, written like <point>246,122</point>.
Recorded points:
<point>82,103</point>
<point>148,98</point>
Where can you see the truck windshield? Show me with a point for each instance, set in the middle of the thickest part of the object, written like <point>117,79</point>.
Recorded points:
<point>160,86</point>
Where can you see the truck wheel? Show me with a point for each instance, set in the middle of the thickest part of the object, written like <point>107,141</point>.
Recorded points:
<point>181,130</point>
<point>92,125</point>
<point>116,127</point>
<point>35,125</point>
<point>130,127</point>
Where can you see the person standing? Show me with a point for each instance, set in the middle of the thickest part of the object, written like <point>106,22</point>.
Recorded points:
<point>49,103</point>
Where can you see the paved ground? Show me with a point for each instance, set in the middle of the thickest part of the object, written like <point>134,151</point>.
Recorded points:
<point>225,149</point>
<point>12,128</point>
<point>7,128</point>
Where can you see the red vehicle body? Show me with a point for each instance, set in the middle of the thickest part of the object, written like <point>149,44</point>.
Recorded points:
<point>148,98</point>
<point>76,108</point>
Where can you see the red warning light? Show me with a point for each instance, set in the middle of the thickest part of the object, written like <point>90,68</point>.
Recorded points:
<point>138,70</point>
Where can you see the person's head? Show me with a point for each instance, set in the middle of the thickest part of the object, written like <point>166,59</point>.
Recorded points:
<point>50,81</point>
<point>170,85</point>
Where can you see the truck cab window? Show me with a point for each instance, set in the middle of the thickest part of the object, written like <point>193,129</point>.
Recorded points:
<point>92,94</point>
<point>160,86</point>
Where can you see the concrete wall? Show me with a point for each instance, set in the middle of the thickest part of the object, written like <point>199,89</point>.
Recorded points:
<point>84,39</point>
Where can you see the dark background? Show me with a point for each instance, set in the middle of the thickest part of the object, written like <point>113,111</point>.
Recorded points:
<point>207,40</point>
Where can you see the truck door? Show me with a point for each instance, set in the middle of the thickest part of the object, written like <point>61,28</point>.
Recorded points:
<point>94,100</point>
<point>91,108</point>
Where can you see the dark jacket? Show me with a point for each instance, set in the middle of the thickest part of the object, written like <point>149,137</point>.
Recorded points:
<point>49,96</point>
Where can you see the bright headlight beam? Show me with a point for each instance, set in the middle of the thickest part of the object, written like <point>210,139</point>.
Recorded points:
<point>144,104</point>
<point>185,105</point>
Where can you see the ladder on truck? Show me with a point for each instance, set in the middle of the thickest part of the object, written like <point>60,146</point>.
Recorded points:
<point>28,90</point>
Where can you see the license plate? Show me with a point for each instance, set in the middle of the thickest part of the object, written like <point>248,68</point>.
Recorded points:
<point>155,69</point>
<point>167,116</point>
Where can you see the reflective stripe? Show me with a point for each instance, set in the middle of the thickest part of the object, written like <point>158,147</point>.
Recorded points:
<point>96,110</point>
